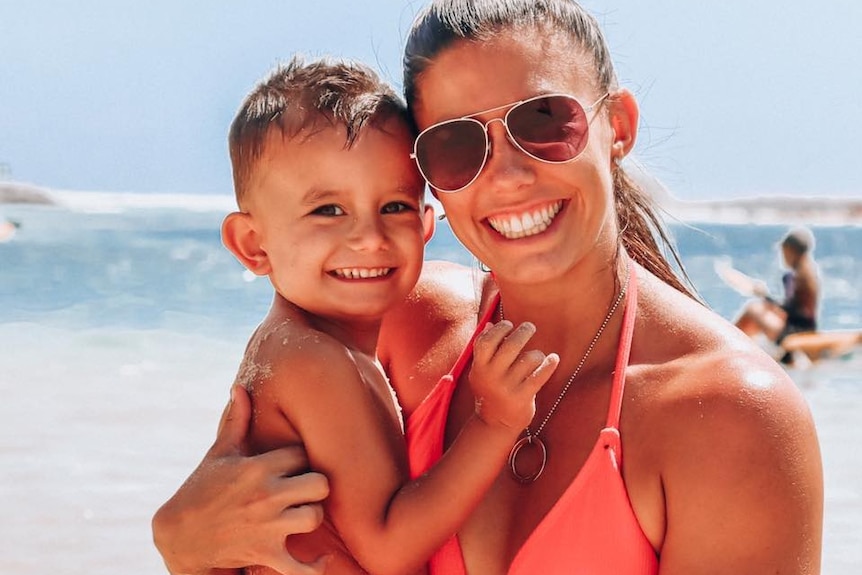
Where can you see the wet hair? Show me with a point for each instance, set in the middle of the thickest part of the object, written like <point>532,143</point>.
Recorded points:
<point>300,96</point>
<point>445,22</point>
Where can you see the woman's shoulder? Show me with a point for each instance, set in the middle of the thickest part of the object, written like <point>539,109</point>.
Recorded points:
<point>714,428</point>
<point>421,338</point>
<point>691,365</point>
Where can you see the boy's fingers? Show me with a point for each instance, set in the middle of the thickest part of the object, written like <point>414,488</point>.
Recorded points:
<point>540,376</point>
<point>503,342</point>
<point>526,364</point>
<point>489,340</point>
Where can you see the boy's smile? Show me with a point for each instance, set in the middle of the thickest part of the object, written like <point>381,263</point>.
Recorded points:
<point>340,230</point>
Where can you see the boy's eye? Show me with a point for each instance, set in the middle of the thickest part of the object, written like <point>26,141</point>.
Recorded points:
<point>396,207</point>
<point>328,210</point>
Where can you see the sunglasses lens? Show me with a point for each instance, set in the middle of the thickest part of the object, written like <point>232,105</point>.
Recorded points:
<point>553,128</point>
<point>451,154</point>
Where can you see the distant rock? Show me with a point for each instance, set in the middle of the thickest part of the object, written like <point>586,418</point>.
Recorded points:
<point>19,193</point>
<point>778,210</point>
<point>812,210</point>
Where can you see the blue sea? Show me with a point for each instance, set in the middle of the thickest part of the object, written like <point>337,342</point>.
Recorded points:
<point>122,323</point>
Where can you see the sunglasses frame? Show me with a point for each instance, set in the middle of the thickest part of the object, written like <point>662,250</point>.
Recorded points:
<point>505,121</point>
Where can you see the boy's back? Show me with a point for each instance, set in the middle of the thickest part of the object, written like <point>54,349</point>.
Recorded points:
<point>334,394</point>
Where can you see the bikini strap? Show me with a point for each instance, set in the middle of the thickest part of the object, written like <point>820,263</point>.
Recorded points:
<point>623,349</point>
<point>467,352</point>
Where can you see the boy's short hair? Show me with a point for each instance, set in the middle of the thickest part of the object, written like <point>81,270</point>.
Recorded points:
<point>299,95</point>
<point>800,240</point>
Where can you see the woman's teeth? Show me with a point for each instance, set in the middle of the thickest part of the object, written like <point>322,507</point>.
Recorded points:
<point>526,224</point>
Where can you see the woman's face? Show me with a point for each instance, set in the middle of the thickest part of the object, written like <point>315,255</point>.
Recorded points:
<point>527,220</point>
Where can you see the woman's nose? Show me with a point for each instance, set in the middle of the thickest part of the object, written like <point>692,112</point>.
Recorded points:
<point>506,163</point>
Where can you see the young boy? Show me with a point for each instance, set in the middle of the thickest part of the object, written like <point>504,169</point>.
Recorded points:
<point>331,210</point>
<point>798,311</point>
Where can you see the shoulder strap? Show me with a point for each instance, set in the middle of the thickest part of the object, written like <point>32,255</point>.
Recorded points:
<point>623,349</point>
<point>467,352</point>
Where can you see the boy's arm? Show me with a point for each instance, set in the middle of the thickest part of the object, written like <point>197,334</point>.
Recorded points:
<point>389,524</point>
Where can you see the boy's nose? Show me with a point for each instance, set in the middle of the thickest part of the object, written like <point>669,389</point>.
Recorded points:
<point>367,233</point>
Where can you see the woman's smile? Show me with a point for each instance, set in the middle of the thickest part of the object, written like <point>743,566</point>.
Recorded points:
<point>526,223</point>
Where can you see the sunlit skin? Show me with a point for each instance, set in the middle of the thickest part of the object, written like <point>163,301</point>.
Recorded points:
<point>708,468</point>
<point>512,184</point>
<point>336,238</point>
<point>720,456</point>
<point>339,232</point>
<point>765,315</point>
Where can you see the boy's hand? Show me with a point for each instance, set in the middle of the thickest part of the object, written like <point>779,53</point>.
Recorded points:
<point>505,377</point>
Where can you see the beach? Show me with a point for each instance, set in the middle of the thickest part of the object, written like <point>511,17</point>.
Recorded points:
<point>89,455</point>
<point>121,330</point>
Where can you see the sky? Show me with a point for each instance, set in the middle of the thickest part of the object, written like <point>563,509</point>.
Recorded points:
<point>738,99</point>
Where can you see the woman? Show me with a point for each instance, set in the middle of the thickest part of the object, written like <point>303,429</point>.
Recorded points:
<point>665,440</point>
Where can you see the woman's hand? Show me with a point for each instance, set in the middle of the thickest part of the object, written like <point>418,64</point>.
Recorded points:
<point>235,510</point>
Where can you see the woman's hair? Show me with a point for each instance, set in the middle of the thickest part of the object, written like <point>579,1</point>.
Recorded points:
<point>303,95</point>
<point>444,22</point>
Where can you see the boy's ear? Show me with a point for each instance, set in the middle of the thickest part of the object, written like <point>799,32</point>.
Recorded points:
<point>238,234</point>
<point>429,222</point>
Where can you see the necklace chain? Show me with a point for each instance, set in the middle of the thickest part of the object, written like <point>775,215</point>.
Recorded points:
<point>534,437</point>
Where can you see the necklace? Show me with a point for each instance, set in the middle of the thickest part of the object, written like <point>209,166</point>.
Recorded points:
<point>531,439</point>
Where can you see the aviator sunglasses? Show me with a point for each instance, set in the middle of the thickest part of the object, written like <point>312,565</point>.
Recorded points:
<point>551,128</point>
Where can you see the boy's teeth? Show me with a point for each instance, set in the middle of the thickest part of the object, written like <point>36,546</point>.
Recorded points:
<point>361,273</point>
<point>527,224</point>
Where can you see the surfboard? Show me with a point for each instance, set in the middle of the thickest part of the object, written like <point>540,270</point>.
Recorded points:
<point>738,281</point>
<point>828,344</point>
<point>816,345</point>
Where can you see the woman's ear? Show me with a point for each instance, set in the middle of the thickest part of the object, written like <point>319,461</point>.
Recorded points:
<point>239,235</point>
<point>429,222</point>
<point>624,116</point>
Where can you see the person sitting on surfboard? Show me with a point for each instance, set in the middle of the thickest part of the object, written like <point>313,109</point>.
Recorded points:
<point>798,311</point>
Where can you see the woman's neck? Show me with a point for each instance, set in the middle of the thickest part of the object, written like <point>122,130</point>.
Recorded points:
<point>568,311</point>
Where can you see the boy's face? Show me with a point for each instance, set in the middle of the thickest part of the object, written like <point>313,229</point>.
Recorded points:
<point>342,228</point>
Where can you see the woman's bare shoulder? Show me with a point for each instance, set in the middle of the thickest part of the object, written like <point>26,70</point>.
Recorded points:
<point>693,358</point>
<point>723,430</point>
<point>421,338</point>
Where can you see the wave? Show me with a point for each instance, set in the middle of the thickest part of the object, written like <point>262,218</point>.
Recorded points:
<point>118,202</point>
<point>112,202</point>
<point>777,210</point>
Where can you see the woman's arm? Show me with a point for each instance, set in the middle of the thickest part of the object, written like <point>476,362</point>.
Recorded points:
<point>741,474</point>
<point>230,493</point>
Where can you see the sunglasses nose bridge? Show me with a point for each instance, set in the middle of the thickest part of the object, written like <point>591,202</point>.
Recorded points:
<point>506,131</point>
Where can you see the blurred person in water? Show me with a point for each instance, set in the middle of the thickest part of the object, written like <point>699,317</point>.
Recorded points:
<point>797,312</point>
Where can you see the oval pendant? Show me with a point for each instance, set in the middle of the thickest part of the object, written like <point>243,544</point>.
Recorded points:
<point>527,441</point>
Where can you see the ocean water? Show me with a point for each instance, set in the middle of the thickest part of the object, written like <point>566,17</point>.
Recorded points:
<point>122,323</point>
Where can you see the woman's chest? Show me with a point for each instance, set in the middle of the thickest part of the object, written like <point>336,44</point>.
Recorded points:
<point>513,510</point>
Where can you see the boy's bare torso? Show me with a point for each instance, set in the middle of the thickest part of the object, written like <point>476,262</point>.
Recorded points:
<point>283,337</point>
